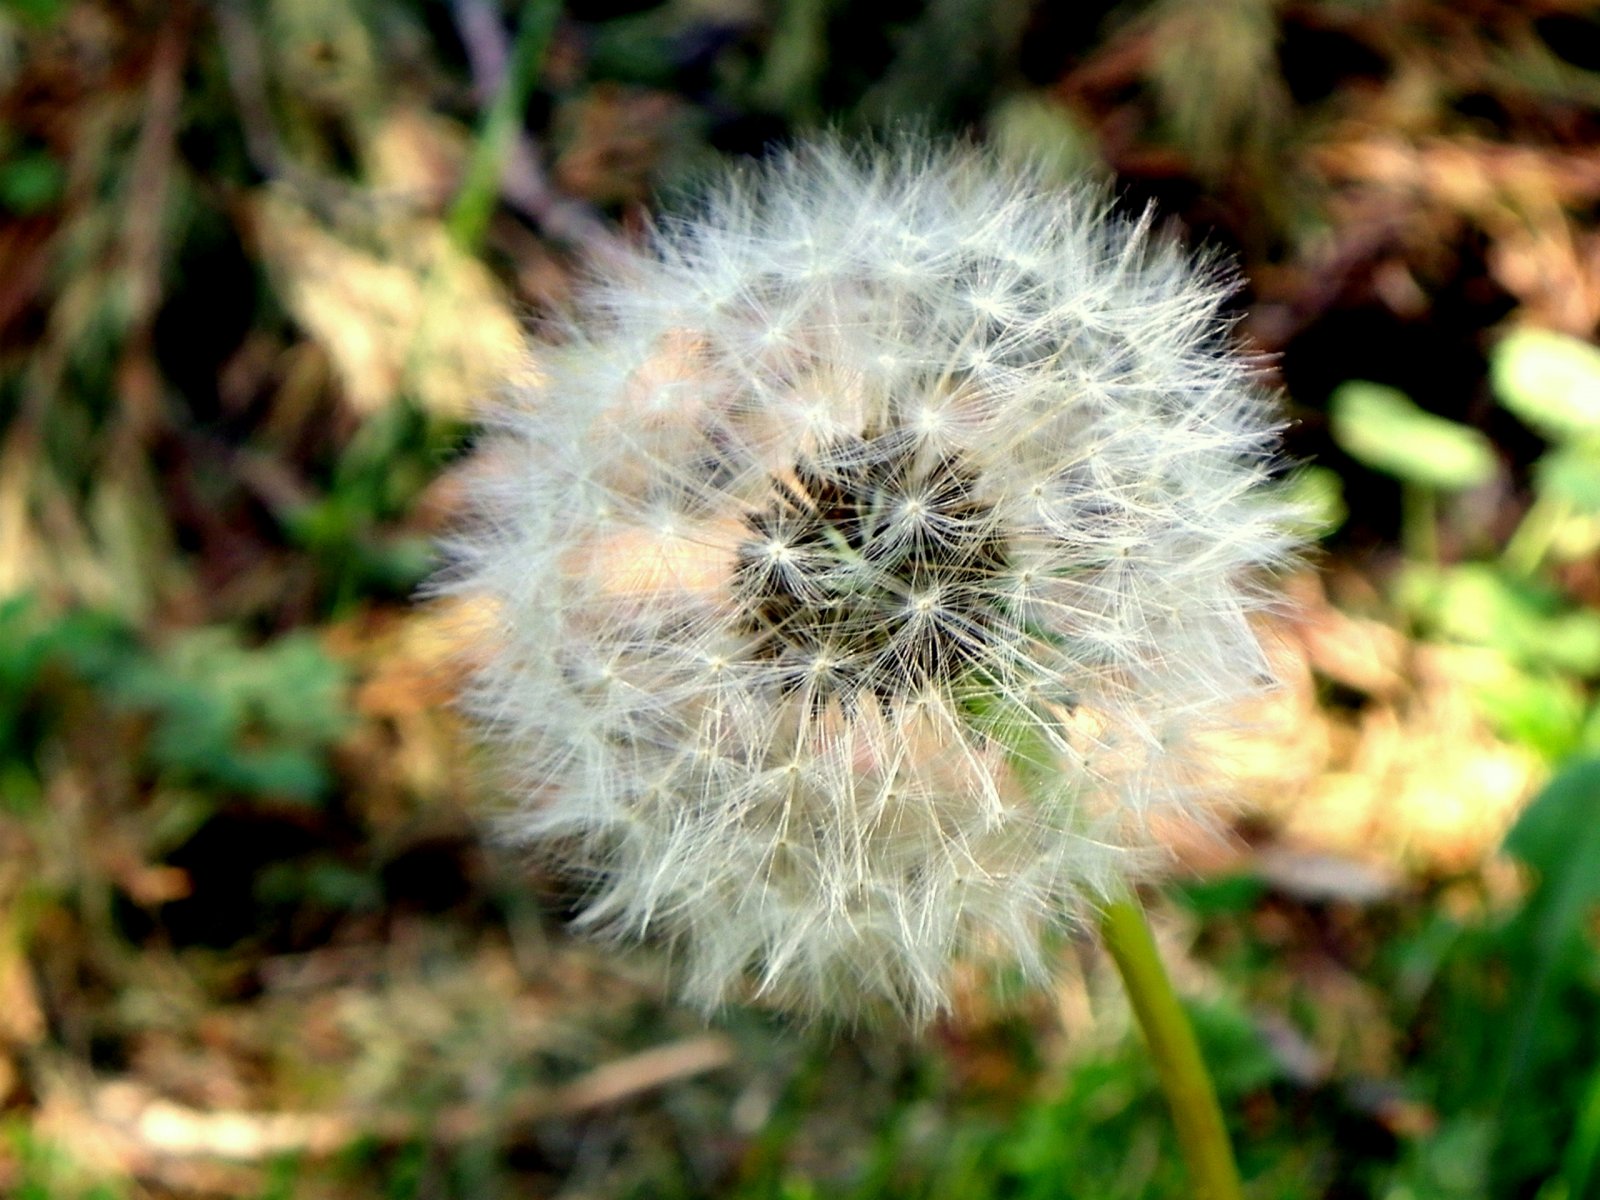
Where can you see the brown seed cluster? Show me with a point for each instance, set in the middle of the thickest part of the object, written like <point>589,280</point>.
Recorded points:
<point>875,563</point>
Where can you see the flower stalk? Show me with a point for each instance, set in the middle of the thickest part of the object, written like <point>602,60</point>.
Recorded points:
<point>1189,1091</point>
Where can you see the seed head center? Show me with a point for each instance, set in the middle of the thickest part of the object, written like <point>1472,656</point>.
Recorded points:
<point>871,569</point>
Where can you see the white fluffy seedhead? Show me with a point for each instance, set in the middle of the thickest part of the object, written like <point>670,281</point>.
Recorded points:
<point>869,560</point>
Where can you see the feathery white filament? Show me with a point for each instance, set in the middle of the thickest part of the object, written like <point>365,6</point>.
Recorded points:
<point>868,559</point>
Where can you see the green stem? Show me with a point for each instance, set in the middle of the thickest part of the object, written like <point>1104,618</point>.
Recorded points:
<point>1525,552</point>
<point>1190,1095</point>
<point>1419,522</point>
<point>480,187</point>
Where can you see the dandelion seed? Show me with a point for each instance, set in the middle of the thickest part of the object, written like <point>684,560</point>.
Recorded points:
<point>872,557</point>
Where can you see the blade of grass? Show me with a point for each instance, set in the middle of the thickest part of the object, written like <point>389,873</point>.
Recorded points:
<point>480,186</point>
<point>1580,1168</point>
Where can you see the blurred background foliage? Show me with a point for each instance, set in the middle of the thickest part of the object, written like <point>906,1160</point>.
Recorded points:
<point>259,258</point>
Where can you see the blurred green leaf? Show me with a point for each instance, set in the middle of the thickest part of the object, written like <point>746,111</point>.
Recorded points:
<point>1558,838</point>
<point>1037,130</point>
<point>1580,1167</point>
<point>1317,494</point>
<point>31,641</point>
<point>20,792</point>
<point>796,58</point>
<point>643,48</point>
<point>1589,739</point>
<point>1450,1165</point>
<point>1541,711</point>
<point>42,1169</point>
<point>323,881</point>
<point>1238,1056</point>
<point>948,54</point>
<point>1558,835</point>
<point>1381,428</point>
<point>1571,473</point>
<point>1550,380</point>
<point>1479,604</point>
<point>37,12</point>
<point>31,183</point>
<point>251,720</point>
<point>1225,896</point>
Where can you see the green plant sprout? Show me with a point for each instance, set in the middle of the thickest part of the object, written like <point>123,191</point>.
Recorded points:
<point>1380,427</point>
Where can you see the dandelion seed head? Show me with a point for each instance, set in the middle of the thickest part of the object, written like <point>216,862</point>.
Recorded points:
<point>871,558</point>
